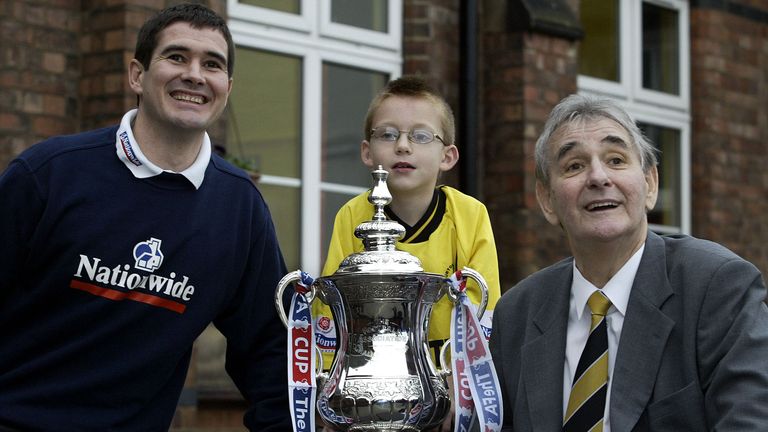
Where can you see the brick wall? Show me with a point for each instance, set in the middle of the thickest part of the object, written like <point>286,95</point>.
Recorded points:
<point>63,66</point>
<point>39,67</point>
<point>729,143</point>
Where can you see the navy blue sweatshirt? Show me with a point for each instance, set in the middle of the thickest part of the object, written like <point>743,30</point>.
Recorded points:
<point>107,280</point>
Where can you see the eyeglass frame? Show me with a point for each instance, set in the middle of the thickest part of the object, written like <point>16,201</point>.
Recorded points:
<point>408,135</point>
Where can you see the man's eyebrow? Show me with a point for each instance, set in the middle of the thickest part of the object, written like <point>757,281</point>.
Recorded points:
<point>564,149</point>
<point>615,139</point>
<point>181,48</point>
<point>608,139</point>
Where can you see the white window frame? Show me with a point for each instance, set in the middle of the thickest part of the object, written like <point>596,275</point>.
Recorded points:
<point>309,37</point>
<point>680,123</point>
<point>390,40</point>
<point>650,106</point>
<point>278,19</point>
<point>681,101</point>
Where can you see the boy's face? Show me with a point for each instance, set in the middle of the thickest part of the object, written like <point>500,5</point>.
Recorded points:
<point>413,168</point>
<point>187,84</point>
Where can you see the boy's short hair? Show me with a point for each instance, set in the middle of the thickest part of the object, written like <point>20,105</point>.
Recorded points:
<point>197,16</point>
<point>413,86</point>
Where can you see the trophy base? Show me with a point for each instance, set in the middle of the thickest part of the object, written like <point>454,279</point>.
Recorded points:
<point>383,427</point>
<point>386,405</point>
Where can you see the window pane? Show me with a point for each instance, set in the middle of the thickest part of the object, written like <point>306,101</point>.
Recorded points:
<point>284,205</point>
<point>265,112</point>
<point>660,49</point>
<point>599,50</point>
<point>347,92</point>
<point>290,6</point>
<point>667,210</point>
<point>367,14</point>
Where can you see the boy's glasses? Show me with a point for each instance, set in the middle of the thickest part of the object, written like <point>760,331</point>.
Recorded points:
<point>417,136</point>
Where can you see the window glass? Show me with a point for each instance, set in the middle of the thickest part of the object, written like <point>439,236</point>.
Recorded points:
<point>667,140</point>
<point>347,92</point>
<point>265,112</point>
<point>285,207</point>
<point>599,50</point>
<point>290,6</point>
<point>660,49</point>
<point>367,14</point>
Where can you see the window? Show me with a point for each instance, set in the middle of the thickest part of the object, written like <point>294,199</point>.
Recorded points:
<point>290,6</point>
<point>306,71</point>
<point>636,52</point>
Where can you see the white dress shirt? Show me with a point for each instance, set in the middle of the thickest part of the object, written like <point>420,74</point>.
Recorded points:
<point>580,320</point>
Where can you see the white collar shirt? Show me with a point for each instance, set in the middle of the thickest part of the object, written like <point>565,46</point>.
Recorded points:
<point>130,154</point>
<point>579,322</point>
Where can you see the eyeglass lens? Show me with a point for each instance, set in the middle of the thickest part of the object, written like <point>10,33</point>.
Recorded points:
<point>391,134</point>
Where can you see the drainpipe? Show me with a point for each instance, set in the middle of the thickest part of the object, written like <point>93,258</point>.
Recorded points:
<point>467,139</point>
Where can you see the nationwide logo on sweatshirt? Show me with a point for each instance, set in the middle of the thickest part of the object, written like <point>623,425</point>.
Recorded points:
<point>121,282</point>
<point>147,254</point>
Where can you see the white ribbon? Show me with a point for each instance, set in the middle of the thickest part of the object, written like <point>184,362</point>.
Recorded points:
<point>474,375</point>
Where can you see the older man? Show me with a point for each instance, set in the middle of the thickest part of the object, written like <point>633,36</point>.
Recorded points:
<point>635,331</point>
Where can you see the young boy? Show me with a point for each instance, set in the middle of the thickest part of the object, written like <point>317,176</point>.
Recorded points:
<point>409,131</point>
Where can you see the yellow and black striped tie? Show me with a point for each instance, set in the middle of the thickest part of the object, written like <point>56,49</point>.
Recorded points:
<point>586,405</point>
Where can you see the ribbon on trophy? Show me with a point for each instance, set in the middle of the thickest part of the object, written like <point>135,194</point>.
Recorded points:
<point>474,375</point>
<point>301,363</point>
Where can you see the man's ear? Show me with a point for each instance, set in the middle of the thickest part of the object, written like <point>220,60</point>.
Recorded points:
<point>544,197</point>
<point>365,154</point>
<point>652,183</point>
<point>136,76</point>
<point>450,157</point>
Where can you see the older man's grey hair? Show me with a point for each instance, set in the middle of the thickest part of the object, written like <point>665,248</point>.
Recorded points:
<point>580,107</point>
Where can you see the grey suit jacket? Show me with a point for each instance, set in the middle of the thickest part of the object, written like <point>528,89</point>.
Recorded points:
<point>693,353</point>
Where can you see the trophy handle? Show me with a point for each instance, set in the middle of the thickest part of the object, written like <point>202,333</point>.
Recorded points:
<point>284,282</point>
<point>288,279</point>
<point>468,272</point>
<point>454,296</point>
<point>446,370</point>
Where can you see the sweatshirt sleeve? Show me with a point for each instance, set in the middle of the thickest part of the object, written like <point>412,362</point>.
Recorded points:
<point>256,356</point>
<point>21,205</point>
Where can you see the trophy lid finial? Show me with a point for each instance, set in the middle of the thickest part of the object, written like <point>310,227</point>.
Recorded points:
<point>380,195</point>
<point>379,236</point>
<point>380,233</point>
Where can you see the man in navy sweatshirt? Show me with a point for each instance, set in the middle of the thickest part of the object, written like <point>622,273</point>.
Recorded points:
<point>119,246</point>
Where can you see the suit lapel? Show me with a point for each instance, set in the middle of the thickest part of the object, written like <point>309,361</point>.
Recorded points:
<point>643,337</point>
<point>543,357</point>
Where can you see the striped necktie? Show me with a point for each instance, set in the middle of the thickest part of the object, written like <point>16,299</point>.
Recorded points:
<point>586,405</point>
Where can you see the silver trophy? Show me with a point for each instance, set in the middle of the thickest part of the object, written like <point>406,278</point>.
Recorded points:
<point>382,377</point>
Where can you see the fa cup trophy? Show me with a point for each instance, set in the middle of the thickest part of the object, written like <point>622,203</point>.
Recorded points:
<point>382,377</point>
